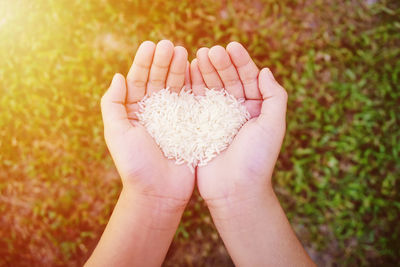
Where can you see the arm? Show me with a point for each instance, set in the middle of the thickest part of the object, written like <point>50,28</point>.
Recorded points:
<point>236,185</point>
<point>139,231</point>
<point>256,231</point>
<point>155,189</point>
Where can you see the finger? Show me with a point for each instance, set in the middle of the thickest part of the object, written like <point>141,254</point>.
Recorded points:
<point>253,106</point>
<point>226,71</point>
<point>132,111</point>
<point>210,75</point>
<point>198,84</point>
<point>188,82</point>
<point>139,72</point>
<point>273,110</point>
<point>113,105</point>
<point>247,69</point>
<point>177,70</point>
<point>159,67</point>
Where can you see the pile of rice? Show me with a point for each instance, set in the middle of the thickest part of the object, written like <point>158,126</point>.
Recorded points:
<point>192,129</point>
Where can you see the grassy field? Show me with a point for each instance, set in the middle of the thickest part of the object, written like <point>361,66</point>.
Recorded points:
<point>337,176</point>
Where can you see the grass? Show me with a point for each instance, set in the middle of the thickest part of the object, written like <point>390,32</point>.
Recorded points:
<point>337,176</point>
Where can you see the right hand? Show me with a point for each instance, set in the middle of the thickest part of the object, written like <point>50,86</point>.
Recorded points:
<point>141,164</point>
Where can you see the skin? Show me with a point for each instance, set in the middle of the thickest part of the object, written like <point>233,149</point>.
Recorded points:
<point>155,189</point>
<point>236,185</point>
<point>256,147</point>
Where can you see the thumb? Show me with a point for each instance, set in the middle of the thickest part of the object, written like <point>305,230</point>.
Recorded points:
<point>113,104</point>
<point>273,110</point>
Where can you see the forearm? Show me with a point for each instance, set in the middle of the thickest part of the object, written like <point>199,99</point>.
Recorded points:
<point>139,231</point>
<point>256,231</point>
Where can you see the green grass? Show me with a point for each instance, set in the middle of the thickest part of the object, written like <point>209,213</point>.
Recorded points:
<point>338,172</point>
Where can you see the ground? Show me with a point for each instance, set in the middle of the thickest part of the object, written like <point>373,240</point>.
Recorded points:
<point>338,173</point>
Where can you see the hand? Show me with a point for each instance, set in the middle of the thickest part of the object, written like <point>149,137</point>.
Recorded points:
<point>155,190</point>
<point>245,168</point>
<point>140,162</point>
<point>236,185</point>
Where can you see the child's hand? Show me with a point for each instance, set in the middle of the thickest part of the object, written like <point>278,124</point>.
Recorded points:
<point>142,166</point>
<point>237,183</point>
<point>243,170</point>
<point>155,190</point>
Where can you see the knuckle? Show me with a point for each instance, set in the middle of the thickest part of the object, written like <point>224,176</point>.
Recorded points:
<point>232,82</point>
<point>175,88</point>
<point>163,55</point>
<point>136,83</point>
<point>249,80</point>
<point>160,65</point>
<point>156,82</point>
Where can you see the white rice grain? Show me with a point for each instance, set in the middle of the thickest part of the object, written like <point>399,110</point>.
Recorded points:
<point>192,129</point>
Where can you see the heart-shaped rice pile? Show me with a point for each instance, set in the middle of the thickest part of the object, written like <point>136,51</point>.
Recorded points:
<point>189,128</point>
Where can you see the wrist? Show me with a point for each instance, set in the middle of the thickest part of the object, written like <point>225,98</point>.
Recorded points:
<point>240,194</point>
<point>158,213</point>
<point>241,212</point>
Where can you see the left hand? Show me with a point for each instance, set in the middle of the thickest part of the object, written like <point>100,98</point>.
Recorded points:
<point>245,168</point>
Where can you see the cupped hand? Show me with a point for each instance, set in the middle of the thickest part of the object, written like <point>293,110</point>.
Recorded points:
<point>140,162</point>
<point>245,168</point>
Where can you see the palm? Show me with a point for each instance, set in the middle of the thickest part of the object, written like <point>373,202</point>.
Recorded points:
<point>139,160</point>
<point>250,153</point>
<point>247,164</point>
<point>146,167</point>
